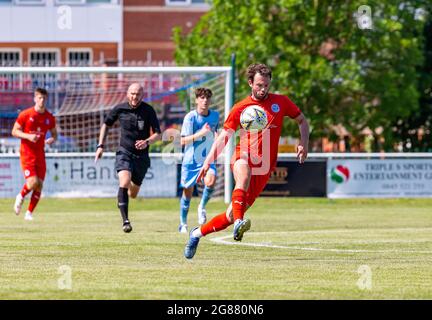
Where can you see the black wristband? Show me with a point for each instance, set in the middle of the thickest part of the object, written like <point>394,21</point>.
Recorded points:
<point>99,146</point>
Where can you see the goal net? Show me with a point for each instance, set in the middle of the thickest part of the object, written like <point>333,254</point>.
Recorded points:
<point>81,97</point>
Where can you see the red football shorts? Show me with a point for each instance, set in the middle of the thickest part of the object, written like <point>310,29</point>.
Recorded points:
<point>256,185</point>
<point>34,168</point>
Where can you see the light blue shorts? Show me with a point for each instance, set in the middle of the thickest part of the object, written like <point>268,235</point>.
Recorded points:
<point>189,174</point>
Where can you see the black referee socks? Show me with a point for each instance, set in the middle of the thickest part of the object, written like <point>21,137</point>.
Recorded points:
<point>123,202</point>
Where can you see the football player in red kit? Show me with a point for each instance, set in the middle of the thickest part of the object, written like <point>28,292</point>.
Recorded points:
<point>250,175</point>
<point>31,127</point>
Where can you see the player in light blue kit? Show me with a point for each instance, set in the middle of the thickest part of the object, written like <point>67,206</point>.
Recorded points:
<point>197,135</point>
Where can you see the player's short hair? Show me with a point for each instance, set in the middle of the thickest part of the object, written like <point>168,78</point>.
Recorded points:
<point>41,91</point>
<point>260,68</point>
<point>199,92</point>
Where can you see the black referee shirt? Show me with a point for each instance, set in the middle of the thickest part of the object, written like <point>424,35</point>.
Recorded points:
<point>135,124</point>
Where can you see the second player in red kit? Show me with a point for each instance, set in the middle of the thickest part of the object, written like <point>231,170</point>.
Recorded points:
<point>31,127</point>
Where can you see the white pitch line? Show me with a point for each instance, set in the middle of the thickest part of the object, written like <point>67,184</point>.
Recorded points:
<point>346,230</point>
<point>221,240</point>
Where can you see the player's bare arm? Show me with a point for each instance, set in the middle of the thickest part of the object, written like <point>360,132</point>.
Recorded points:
<point>102,135</point>
<point>142,144</point>
<point>17,132</point>
<point>53,137</point>
<point>302,148</point>
<point>216,149</point>
<point>196,136</point>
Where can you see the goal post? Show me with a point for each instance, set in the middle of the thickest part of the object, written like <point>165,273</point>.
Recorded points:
<point>80,98</point>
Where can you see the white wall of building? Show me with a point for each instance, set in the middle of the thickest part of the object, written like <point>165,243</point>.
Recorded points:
<point>53,22</point>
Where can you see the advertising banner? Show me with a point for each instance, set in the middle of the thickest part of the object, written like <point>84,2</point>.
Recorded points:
<point>291,179</point>
<point>9,180</point>
<point>375,178</point>
<point>81,177</point>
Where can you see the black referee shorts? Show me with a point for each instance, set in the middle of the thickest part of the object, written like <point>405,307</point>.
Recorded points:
<point>137,165</point>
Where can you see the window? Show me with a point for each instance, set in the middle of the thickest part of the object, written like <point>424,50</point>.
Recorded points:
<point>44,57</point>
<point>83,2</point>
<point>10,58</point>
<point>179,2</point>
<point>5,2</point>
<point>77,57</point>
<point>41,57</point>
<point>99,1</point>
<point>61,2</point>
<point>30,2</point>
<point>185,2</point>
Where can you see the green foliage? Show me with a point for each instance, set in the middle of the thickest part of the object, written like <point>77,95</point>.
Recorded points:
<point>415,130</point>
<point>157,146</point>
<point>334,71</point>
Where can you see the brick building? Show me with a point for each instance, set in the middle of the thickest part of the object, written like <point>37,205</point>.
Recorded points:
<point>92,32</point>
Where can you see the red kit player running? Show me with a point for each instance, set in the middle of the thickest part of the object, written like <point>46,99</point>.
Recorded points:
<point>255,156</point>
<point>31,127</point>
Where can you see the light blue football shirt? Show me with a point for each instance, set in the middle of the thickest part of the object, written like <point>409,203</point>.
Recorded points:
<point>196,152</point>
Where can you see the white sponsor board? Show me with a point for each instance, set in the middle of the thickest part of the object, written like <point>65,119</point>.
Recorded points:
<point>9,180</point>
<point>375,178</point>
<point>79,176</point>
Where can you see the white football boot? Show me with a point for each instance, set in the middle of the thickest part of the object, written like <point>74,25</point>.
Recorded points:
<point>202,215</point>
<point>19,200</point>
<point>183,228</point>
<point>28,216</point>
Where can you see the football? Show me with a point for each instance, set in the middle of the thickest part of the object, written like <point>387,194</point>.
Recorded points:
<point>253,118</point>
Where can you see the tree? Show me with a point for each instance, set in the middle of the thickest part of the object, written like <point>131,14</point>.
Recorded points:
<point>414,132</point>
<point>336,72</point>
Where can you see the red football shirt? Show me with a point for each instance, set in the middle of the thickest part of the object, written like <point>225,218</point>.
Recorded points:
<point>261,148</point>
<point>32,121</point>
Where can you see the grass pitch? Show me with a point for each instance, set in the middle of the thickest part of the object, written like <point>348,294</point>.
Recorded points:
<point>296,249</point>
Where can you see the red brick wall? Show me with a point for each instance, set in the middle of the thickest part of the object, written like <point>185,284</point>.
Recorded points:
<point>156,55</point>
<point>151,26</point>
<point>145,31</point>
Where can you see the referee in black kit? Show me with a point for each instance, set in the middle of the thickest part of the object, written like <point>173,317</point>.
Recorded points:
<point>132,157</point>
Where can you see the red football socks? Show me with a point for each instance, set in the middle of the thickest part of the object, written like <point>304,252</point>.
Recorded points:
<point>218,223</point>
<point>34,200</point>
<point>238,203</point>
<point>25,191</point>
